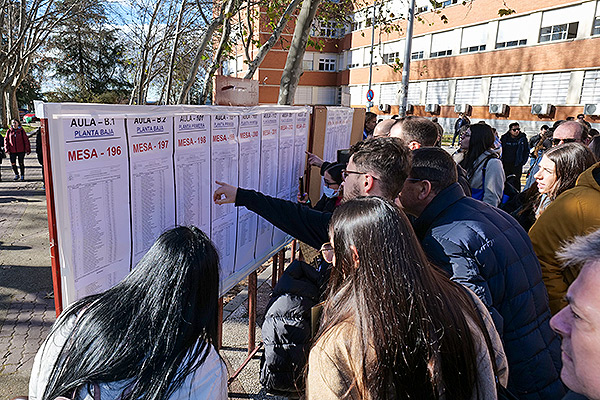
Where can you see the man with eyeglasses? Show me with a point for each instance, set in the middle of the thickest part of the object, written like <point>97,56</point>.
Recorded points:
<point>564,132</point>
<point>377,167</point>
<point>486,250</point>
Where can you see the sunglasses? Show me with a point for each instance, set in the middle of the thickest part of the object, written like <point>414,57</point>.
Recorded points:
<point>556,142</point>
<point>516,129</point>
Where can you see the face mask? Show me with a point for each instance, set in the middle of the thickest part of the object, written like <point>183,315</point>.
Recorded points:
<point>329,192</point>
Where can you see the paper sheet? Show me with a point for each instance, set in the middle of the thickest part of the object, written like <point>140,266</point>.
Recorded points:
<point>224,169</point>
<point>287,125</point>
<point>97,189</point>
<point>152,181</point>
<point>249,165</point>
<point>192,170</point>
<point>268,175</point>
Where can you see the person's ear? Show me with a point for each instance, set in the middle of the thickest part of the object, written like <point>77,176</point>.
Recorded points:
<point>368,183</point>
<point>414,145</point>
<point>425,189</point>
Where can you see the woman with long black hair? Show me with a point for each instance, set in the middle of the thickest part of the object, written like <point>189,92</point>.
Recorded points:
<point>393,326</point>
<point>482,163</point>
<point>152,336</point>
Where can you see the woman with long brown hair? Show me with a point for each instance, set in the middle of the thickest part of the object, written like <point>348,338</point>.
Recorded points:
<point>394,327</point>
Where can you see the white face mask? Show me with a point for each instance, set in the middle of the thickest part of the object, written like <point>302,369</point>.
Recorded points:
<point>329,192</point>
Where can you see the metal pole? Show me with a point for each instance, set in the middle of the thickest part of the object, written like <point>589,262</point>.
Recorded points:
<point>406,67</point>
<point>252,289</point>
<point>372,44</point>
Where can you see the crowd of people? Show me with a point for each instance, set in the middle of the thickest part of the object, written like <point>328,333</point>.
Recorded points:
<point>433,281</point>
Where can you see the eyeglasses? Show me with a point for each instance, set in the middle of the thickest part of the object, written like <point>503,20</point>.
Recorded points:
<point>327,252</point>
<point>516,129</point>
<point>346,172</point>
<point>421,180</point>
<point>328,183</point>
<point>556,142</point>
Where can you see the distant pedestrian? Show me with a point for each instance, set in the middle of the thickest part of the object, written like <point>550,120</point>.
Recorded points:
<point>38,149</point>
<point>515,152</point>
<point>370,122</point>
<point>461,121</point>
<point>16,143</point>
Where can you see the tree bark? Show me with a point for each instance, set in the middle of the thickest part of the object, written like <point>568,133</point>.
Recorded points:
<point>191,79</point>
<point>173,51</point>
<point>268,45</point>
<point>293,64</point>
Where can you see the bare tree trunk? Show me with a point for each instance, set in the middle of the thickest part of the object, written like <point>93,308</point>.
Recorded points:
<point>3,112</point>
<point>268,45</point>
<point>218,55</point>
<point>293,65</point>
<point>173,50</point>
<point>13,104</point>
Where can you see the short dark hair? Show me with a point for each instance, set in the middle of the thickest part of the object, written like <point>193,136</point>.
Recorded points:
<point>545,127</point>
<point>435,165</point>
<point>369,115</point>
<point>419,129</point>
<point>388,157</point>
<point>512,125</point>
<point>580,115</point>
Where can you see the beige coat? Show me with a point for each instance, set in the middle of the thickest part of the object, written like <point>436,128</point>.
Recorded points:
<point>328,378</point>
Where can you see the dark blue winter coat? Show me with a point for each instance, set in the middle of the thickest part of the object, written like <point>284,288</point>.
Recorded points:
<point>486,250</point>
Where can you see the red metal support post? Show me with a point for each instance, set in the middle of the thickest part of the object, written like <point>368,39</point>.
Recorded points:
<point>220,324</point>
<point>281,261</point>
<point>293,257</point>
<point>274,272</point>
<point>50,206</point>
<point>252,281</point>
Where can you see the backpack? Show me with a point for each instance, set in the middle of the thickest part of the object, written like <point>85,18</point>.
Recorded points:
<point>508,193</point>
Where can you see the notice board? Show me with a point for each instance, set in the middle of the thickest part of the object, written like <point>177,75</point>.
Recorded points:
<point>122,175</point>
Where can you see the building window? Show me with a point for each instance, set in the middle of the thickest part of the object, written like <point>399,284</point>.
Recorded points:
<point>444,3</point>
<point>421,9</point>
<point>596,30</point>
<point>558,32</point>
<point>505,89</point>
<point>327,64</point>
<point>440,53</point>
<point>472,49</point>
<point>391,58</point>
<point>329,30</point>
<point>307,65</point>
<point>417,55</point>
<point>511,43</point>
<point>550,88</point>
<point>590,90</point>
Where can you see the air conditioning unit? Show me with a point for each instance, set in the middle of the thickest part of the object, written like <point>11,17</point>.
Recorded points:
<point>410,109</point>
<point>541,109</point>
<point>432,108</point>
<point>498,108</point>
<point>463,108</point>
<point>591,109</point>
<point>384,108</point>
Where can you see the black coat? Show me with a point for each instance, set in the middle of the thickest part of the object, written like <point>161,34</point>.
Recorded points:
<point>286,331</point>
<point>303,223</point>
<point>486,250</point>
<point>515,150</point>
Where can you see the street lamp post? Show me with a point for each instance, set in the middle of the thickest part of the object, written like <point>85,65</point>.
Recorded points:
<point>372,45</point>
<point>407,54</point>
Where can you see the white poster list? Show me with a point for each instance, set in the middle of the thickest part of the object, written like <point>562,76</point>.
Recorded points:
<point>248,170</point>
<point>54,112</point>
<point>300,146</point>
<point>97,193</point>
<point>192,170</point>
<point>269,157</point>
<point>151,179</point>
<point>338,132</point>
<point>287,122</point>
<point>225,159</point>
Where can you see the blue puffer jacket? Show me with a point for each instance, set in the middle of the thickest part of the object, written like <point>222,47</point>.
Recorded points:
<point>486,250</point>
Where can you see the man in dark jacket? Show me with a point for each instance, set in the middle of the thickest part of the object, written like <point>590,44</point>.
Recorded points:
<point>461,121</point>
<point>486,250</point>
<point>377,167</point>
<point>515,152</point>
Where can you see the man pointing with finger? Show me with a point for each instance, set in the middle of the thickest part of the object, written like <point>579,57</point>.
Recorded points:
<point>377,167</point>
